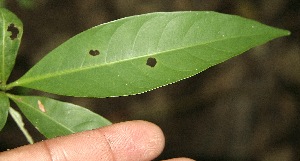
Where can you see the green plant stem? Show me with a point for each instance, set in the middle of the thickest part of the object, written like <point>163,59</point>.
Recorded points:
<point>8,86</point>
<point>18,119</point>
<point>2,87</point>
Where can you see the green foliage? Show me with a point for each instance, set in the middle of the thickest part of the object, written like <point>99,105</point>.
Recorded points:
<point>182,44</point>
<point>19,121</point>
<point>11,30</point>
<point>54,118</point>
<point>26,4</point>
<point>124,57</point>
<point>4,106</point>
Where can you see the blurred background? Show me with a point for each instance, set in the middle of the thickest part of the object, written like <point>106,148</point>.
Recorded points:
<point>247,108</point>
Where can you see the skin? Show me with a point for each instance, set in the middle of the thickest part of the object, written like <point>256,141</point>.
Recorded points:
<point>127,141</point>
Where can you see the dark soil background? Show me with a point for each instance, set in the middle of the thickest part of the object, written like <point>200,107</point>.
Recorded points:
<point>247,108</point>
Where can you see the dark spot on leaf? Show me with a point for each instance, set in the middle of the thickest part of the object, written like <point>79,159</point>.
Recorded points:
<point>14,31</point>
<point>94,52</point>
<point>151,62</point>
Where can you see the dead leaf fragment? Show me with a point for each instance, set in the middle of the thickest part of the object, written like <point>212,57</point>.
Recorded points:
<point>41,106</point>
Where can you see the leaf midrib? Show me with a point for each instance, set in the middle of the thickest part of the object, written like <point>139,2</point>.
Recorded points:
<point>3,52</point>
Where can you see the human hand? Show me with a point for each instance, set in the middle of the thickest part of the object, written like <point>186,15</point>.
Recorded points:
<point>132,140</point>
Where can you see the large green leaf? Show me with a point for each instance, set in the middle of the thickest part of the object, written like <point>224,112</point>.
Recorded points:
<point>11,30</point>
<point>4,106</point>
<point>54,118</point>
<point>136,54</point>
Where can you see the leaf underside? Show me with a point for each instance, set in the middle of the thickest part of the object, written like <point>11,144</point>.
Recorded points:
<point>54,118</point>
<point>19,121</point>
<point>140,53</point>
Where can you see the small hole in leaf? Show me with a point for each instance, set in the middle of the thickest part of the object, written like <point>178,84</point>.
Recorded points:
<point>151,62</point>
<point>14,31</point>
<point>94,52</point>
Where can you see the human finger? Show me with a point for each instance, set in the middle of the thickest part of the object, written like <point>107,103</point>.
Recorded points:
<point>133,140</point>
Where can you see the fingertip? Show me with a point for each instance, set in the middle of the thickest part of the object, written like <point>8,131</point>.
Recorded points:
<point>146,139</point>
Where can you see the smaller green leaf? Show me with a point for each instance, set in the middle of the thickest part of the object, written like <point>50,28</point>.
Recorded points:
<point>19,121</point>
<point>11,30</point>
<point>55,118</point>
<point>4,105</point>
